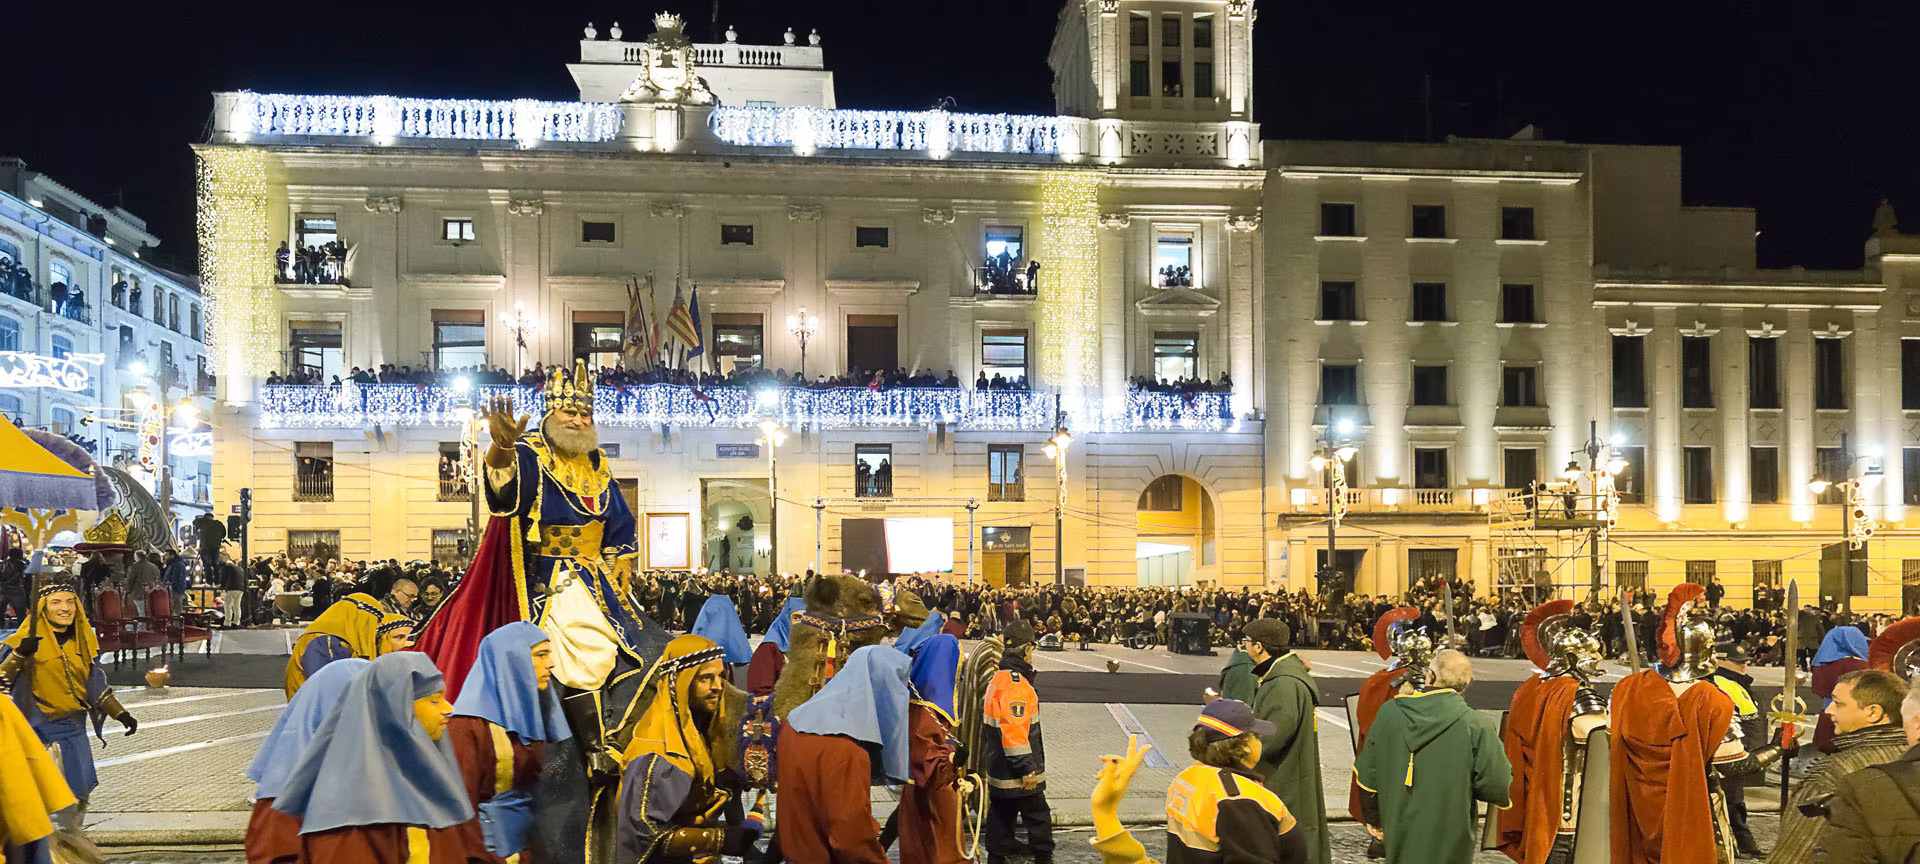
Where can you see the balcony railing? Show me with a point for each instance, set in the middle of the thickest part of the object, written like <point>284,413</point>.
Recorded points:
<point>454,489</point>
<point>521,120</point>
<point>313,487</point>
<point>937,132</point>
<point>1313,499</point>
<point>361,405</point>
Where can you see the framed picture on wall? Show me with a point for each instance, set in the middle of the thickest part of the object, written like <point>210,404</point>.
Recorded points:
<point>667,541</point>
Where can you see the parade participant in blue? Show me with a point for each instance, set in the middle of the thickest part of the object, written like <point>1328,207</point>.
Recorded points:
<point>850,735</point>
<point>720,622</point>
<point>273,836</point>
<point>378,784</point>
<point>929,811</point>
<point>506,715</point>
<point>32,793</point>
<point>912,638</point>
<point>559,551</point>
<point>52,668</point>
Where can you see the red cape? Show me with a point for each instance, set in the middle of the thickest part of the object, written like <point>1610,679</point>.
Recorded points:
<point>1535,738</point>
<point>1662,748</point>
<point>492,594</point>
<point>1373,694</point>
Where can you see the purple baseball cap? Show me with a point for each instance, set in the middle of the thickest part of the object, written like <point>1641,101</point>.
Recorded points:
<point>1230,718</point>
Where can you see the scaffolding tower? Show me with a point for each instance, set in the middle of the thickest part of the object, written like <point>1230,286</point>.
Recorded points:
<point>1550,541</point>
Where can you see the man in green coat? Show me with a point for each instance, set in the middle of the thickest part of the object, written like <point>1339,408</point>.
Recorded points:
<point>1428,758</point>
<point>1285,695</point>
<point>1237,681</point>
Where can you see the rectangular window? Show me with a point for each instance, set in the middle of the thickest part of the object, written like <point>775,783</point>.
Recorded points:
<point>450,546</point>
<point>1766,584</point>
<point>598,231</point>
<point>738,341</point>
<point>736,235</point>
<point>870,237</point>
<point>1170,31</point>
<point>313,471</point>
<point>873,470</point>
<point>597,337</point>
<point>173,312</point>
<point>1339,384</point>
<point>1632,481</point>
<point>1429,301</point>
<point>1629,372</point>
<point>1763,475</point>
<point>1203,32</point>
<point>1006,242</point>
<point>1696,372</point>
<point>1339,301</point>
<point>1139,80</point>
<point>1429,385</point>
<point>1830,464</point>
<point>456,230</point>
<point>1910,374</point>
<point>1763,373</point>
<point>1176,356</point>
<point>1003,357</point>
<point>1170,86</point>
<point>1630,574</point>
<point>1697,480</point>
<point>459,338</point>
<point>1701,572</point>
<point>1164,494</point>
<point>1338,219</point>
<point>1137,30</point>
<point>315,546</point>
<point>1829,374</point>
<point>873,343</point>
<point>159,304</point>
<point>1516,304</point>
<point>314,350</point>
<point>1005,482</point>
<point>193,322</point>
<point>1519,386</point>
<point>1516,223</point>
<point>1522,467</point>
<point>1430,469</point>
<point>453,481</point>
<point>1910,474</point>
<point>1429,220</point>
<point>1173,257</point>
<point>1202,80</point>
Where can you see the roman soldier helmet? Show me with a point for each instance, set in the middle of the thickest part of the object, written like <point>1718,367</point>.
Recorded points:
<point>1686,635</point>
<point>1384,630</point>
<point>1555,645</point>
<point>1897,649</point>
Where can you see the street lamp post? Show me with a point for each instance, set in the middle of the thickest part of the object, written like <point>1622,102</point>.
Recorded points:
<point>1602,491</point>
<point>1057,451</point>
<point>1855,527</point>
<point>1331,460</point>
<point>771,437</point>
<point>803,326</point>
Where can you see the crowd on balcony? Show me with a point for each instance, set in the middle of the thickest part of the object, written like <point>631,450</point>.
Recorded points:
<point>1176,276</point>
<point>323,264</point>
<point>68,302</point>
<point>16,280</point>
<point>1002,274</point>
<point>1183,386</point>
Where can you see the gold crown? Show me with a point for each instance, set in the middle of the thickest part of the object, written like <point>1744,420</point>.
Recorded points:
<point>570,389</point>
<point>113,529</point>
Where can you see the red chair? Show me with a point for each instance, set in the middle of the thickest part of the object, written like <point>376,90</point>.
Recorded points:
<point>124,634</point>
<point>177,630</point>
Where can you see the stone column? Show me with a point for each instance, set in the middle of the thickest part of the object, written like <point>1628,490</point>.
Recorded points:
<point>1115,293</point>
<point>1730,396</point>
<point>1243,249</point>
<point>523,242</point>
<point>1796,380</point>
<point>1664,462</point>
<point>378,268</point>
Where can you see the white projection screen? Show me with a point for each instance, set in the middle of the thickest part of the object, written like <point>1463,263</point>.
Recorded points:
<point>919,545</point>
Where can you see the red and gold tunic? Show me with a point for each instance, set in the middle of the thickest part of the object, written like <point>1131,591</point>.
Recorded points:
<point>492,761</point>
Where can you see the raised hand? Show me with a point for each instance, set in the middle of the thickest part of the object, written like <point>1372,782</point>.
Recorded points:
<point>502,423</point>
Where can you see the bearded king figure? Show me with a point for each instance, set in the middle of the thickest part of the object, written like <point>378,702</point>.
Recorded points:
<point>558,551</point>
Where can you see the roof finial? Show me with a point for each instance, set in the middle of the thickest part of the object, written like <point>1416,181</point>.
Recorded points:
<point>1885,224</point>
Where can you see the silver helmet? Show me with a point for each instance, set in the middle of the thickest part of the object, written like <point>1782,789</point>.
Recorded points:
<point>1686,643</point>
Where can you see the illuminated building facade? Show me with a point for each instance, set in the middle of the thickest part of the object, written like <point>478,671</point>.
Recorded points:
<point>90,331</point>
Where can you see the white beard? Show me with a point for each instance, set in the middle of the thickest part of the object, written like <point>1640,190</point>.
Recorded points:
<point>570,443</point>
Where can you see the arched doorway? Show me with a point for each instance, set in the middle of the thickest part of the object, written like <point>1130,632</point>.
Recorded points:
<point>734,532</point>
<point>1176,533</point>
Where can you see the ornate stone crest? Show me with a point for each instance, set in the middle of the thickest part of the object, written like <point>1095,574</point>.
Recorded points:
<point>666,67</point>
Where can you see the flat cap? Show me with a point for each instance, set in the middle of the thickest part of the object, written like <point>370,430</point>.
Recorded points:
<point>1271,632</point>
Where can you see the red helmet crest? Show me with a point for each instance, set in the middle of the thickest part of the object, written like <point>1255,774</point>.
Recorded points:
<point>1382,645</point>
<point>1530,629</point>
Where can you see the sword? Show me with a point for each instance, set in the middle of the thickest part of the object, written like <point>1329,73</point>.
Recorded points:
<point>1446,607</point>
<point>1633,635</point>
<point>1788,709</point>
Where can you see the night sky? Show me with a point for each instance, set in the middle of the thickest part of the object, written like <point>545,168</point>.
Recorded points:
<point>1803,110</point>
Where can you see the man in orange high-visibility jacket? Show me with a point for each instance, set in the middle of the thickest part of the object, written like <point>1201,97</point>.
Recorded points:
<point>1015,759</point>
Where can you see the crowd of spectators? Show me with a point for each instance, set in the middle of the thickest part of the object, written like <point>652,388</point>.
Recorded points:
<point>322,264</point>
<point>1182,386</point>
<point>16,280</point>
<point>620,376</point>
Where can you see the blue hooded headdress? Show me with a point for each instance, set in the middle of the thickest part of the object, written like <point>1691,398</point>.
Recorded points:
<point>720,623</point>
<point>1842,641</point>
<point>371,762</point>
<point>778,631</point>
<point>501,688</point>
<point>911,640</point>
<point>297,723</point>
<point>935,672</point>
<point>866,701</point>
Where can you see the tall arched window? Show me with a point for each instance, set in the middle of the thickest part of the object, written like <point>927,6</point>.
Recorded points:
<point>63,420</point>
<point>61,273</point>
<point>9,334</point>
<point>62,346</point>
<point>173,312</point>
<point>9,251</point>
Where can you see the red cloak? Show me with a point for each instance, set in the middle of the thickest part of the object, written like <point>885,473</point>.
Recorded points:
<point>1378,688</point>
<point>1536,737</point>
<point>930,805</point>
<point>1662,747</point>
<point>491,595</point>
<point>272,837</point>
<point>484,772</point>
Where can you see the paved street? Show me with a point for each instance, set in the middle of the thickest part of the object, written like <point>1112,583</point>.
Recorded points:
<point>181,781</point>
